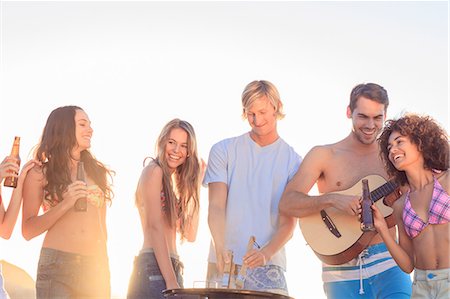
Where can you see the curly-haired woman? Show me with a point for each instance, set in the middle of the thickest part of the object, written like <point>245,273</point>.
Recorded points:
<point>415,150</point>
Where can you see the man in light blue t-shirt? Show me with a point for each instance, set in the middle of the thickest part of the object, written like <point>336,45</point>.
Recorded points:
<point>246,176</point>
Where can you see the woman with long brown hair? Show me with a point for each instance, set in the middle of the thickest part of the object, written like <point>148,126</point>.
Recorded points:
<point>73,261</point>
<point>167,198</point>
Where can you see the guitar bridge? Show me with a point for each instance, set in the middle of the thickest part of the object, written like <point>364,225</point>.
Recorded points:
<point>329,223</point>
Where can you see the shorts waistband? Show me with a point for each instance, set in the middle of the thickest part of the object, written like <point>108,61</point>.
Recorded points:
<point>374,249</point>
<point>432,275</point>
<point>150,250</point>
<point>69,255</point>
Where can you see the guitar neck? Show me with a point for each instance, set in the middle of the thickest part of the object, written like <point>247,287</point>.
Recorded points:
<point>383,190</point>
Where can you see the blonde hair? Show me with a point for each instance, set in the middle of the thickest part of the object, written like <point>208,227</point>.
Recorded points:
<point>258,89</point>
<point>186,177</point>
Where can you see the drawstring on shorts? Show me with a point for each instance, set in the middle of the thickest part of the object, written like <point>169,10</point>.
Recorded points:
<point>360,263</point>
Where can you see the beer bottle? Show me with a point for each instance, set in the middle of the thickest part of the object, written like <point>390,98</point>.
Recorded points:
<point>228,271</point>
<point>81,203</point>
<point>12,181</point>
<point>367,213</point>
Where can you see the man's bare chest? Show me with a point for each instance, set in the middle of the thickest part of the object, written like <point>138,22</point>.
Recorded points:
<point>343,172</point>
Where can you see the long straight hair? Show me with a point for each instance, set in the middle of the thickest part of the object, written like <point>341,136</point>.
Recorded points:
<point>55,152</point>
<point>184,182</point>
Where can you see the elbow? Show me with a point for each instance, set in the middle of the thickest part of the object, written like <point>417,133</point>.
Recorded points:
<point>408,269</point>
<point>289,236</point>
<point>5,234</point>
<point>212,218</point>
<point>282,207</point>
<point>286,206</point>
<point>27,235</point>
<point>191,234</point>
<point>406,266</point>
<point>191,238</point>
<point>291,227</point>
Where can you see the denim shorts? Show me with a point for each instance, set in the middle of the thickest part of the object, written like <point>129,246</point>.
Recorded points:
<point>68,275</point>
<point>146,279</point>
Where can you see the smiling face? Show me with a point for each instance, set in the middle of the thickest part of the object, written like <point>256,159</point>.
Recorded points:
<point>176,149</point>
<point>83,131</point>
<point>402,152</point>
<point>262,117</point>
<point>367,117</point>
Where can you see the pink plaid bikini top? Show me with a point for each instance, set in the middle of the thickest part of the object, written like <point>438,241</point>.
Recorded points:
<point>438,213</point>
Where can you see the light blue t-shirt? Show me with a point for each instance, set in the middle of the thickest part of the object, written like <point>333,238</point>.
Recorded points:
<point>3,294</point>
<point>256,177</point>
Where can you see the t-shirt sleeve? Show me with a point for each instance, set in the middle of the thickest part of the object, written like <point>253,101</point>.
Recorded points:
<point>216,171</point>
<point>295,164</point>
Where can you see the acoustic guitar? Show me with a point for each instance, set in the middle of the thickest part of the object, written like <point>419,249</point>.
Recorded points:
<point>336,237</point>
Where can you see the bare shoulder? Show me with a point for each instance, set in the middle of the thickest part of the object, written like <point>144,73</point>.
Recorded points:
<point>152,171</point>
<point>36,175</point>
<point>444,180</point>
<point>399,204</point>
<point>151,178</point>
<point>320,156</point>
<point>321,151</point>
<point>37,171</point>
<point>315,161</point>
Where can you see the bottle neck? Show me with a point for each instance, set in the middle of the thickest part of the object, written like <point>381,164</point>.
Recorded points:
<point>15,149</point>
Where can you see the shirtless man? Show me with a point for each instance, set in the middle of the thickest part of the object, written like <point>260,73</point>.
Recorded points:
<point>339,166</point>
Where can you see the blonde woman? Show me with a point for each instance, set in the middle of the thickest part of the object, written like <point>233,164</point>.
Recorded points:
<point>167,198</point>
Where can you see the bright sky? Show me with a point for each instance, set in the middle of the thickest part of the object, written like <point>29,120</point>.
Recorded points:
<point>134,66</point>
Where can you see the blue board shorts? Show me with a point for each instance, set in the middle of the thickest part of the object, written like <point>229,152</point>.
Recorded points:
<point>374,274</point>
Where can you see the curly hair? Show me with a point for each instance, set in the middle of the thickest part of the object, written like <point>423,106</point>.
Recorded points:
<point>423,131</point>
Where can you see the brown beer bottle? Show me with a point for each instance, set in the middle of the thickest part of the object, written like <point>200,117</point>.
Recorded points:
<point>228,271</point>
<point>366,213</point>
<point>81,203</point>
<point>12,181</point>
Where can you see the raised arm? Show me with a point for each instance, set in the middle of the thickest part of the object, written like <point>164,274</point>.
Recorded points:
<point>150,189</point>
<point>402,252</point>
<point>8,218</point>
<point>218,193</point>
<point>34,224</point>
